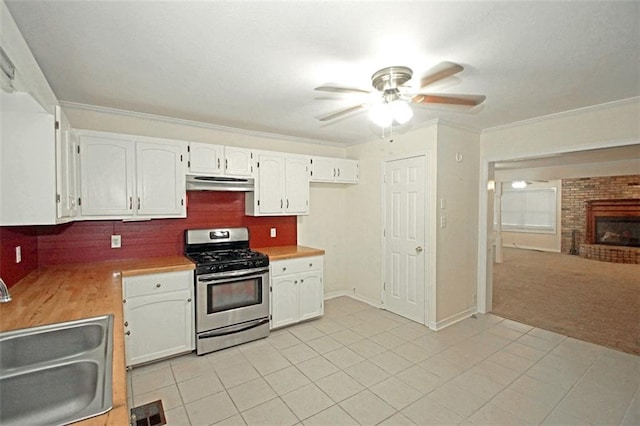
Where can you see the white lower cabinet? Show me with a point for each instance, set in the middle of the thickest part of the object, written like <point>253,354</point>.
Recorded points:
<point>158,315</point>
<point>297,291</point>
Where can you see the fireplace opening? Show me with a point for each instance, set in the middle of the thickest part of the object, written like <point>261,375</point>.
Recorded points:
<point>617,231</point>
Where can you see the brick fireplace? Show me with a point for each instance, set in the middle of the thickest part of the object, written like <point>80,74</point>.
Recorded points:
<point>612,231</point>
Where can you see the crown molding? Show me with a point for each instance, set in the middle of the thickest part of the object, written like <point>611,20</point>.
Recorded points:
<point>562,114</point>
<point>193,123</point>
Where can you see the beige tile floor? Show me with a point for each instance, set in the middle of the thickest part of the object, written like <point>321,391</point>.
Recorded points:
<point>362,365</point>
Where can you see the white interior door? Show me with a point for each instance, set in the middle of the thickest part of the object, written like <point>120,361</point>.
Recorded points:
<point>405,284</point>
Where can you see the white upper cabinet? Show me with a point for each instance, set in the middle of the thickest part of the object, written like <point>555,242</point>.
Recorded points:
<point>160,178</point>
<point>131,179</point>
<point>68,163</point>
<point>205,159</point>
<point>27,162</point>
<point>238,161</point>
<point>218,160</point>
<point>339,170</point>
<point>282,186</point>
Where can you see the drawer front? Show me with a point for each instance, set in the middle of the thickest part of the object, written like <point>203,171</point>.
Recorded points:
<point>296,266</point>
<point>142,285</point>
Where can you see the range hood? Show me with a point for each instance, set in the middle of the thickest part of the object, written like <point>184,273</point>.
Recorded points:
<point>218,183</point>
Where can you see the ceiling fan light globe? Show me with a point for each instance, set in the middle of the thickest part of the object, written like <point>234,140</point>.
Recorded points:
<point>380,114</point>
<point>401,111</point>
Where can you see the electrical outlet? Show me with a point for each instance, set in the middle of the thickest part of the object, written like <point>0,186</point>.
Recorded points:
<point>273,232</point>
<point>116,241</point>
<point>18,254</point>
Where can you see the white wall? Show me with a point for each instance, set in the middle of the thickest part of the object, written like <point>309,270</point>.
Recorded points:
<point>602,126</point>
<point>457,242</point>
<point>29,77</point>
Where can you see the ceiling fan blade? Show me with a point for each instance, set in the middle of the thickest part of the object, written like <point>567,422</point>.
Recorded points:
<point>444,69</point>
<point>467,100</point>
<point>341,89</point>
<point>342,113</point>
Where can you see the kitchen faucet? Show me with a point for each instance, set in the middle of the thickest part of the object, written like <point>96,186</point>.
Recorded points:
<point>4,292</point>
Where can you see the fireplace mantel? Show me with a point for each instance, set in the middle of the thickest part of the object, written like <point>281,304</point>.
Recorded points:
<point>608,208</point>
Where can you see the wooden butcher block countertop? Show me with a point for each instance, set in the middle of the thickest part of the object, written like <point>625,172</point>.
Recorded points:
<point>289,252</point>
<point>70,292</point>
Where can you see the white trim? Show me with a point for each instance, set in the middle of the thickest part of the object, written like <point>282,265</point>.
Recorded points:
<point>191,123</point>
<point>355,296</point>
<point>561,114</point>
<point>513,246</point>
<point>453,319</point>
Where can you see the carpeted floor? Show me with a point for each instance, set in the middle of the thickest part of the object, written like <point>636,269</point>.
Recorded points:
<point>598,302</point>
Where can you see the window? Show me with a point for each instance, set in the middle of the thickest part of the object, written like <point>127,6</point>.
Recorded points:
<point>529,210</point>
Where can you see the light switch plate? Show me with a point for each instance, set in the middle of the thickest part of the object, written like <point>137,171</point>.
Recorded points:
<point>18,254</point>
<point>116,241</point>
<point>273,232</point>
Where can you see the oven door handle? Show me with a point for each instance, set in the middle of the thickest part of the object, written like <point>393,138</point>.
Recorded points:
<point>233,274</point>
<point>234,329</point>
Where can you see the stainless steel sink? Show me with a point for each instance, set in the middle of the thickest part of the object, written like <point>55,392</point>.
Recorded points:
<point>56,374</point>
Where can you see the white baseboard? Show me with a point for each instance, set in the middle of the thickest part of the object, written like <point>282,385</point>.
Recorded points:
<point>531,248</point>
<point>358,297</point>
<point>439,325</point>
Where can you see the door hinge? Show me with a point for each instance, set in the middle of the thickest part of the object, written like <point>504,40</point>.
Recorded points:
<point>189,164</point>
<point>181,158</point>
<point>57,198</point>
<point>57,125</point>
<point>182,201</point>
<point>384,286</point>
<point>258,202</point>
<point>188,148</point>
<point>258,164</point>
<point>270,288</point>
<point>78,149</point>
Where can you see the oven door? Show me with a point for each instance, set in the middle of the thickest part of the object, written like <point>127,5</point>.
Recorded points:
<point>226,299</point>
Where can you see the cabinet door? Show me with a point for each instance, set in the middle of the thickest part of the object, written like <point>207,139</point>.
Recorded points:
<point>205,159</point>
<point>107,176</point>
<point>296,185</point>
<point>310,295</point>
<point>160,179</point>
<point>284,300</point>
<point>347,171</point>
<point>323,169</point>
<point>158,326</point>
<point>66,168</point>
<point>238,161</point>
<point>270,184</point>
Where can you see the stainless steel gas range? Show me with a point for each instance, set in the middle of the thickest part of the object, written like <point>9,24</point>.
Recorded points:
<point>231,288</point>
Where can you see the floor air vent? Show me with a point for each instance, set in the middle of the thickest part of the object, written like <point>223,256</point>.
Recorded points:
<point>151,414</point>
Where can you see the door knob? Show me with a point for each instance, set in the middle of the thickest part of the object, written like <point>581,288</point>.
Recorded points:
<point>419,249</point>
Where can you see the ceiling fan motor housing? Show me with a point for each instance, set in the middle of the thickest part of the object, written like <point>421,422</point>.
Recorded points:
<point>390,78</point>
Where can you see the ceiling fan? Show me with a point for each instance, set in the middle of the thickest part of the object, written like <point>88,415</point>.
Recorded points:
<point>391,101</point>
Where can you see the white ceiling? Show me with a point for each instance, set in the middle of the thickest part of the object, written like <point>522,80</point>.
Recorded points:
<point>253,65</point>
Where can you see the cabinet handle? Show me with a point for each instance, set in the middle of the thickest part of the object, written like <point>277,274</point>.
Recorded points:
<point>126,323</point>
<point>226,164</point>
<point>138,203</point>
<point>158,285</point>
<point>189,300</point>
<point>218,163</point>
<point>334,172</point>
<point>128,333</point>
<point>287,203</point>
<point>281,203</point>
<point>130,203</point>
<point>338,172</point>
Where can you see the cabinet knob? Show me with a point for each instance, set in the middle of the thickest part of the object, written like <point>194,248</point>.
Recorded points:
<point>158,285</point>
<point>126,323</point>
<point>128,333</point>
<point>311,265</point>
<point>295,282</point>
<point>284,268</point>
<point>301,281</point>
<point>189,300</point>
